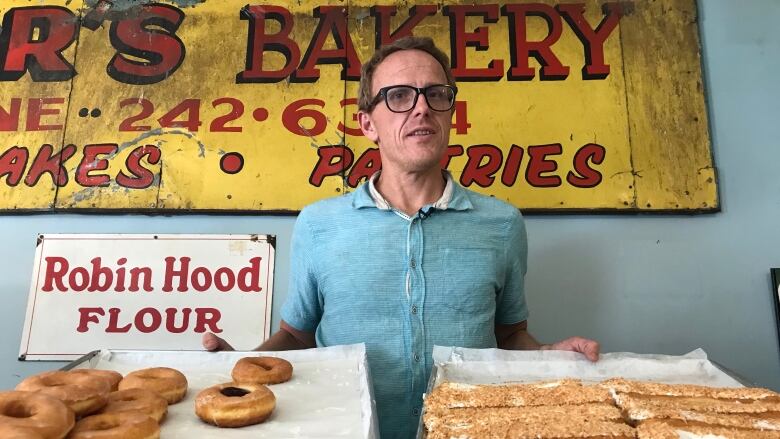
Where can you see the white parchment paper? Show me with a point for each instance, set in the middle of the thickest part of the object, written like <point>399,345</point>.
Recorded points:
<point>485,366</point>
<point>328,396</point>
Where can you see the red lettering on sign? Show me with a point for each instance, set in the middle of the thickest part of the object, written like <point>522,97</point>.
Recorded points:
<point>147,108</point>
<point>138,274</point>
<point>35,110</point>
<point>88,315</point>
<point>171,272</point>
<point>333,20</point>
<point>383,15</point>
<point>478,172</point>
<point>140,321</point>
<point>13,163</point>
<point>219,124</point>
<point>48,162</point>
<point>170,320</point>
<point>478,39</point>
<point>201,279</point>
<point>293,113</point>
<point>148,320</point>
<point>259,42</point>
<point>120,275</point>
<point>9,120</point>
<point>113,322</point>
<point>90,162</point>
<point>78,279</point>
<point>583,175</point>
<point>350,131</point>
<point>151,37</point>
<point>207,319</point>
<point>538,164</point>
<point>139,177</point>
<point>247,279</point>
<point>512,166</point>
<point>452,151</point>
<point>33,39</point>
<point>592,41</point>
<point>101,277</point>
<point>56,267</point>
<point>366,165</point>
<point>520,49</point>
<point>333,160</point>
<point>224,279</point>
<point>190,107</point>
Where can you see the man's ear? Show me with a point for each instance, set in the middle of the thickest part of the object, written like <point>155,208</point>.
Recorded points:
<point>367,126</point>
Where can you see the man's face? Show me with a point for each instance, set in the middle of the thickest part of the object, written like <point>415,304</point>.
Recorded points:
<point>414,141</point>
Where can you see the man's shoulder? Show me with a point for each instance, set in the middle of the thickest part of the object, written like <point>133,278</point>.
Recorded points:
<point>328,209</point>
<point>490,205</point>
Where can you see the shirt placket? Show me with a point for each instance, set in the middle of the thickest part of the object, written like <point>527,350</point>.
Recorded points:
<point>415,293</point>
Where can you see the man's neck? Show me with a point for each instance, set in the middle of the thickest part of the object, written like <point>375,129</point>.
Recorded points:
<point>409,191</point>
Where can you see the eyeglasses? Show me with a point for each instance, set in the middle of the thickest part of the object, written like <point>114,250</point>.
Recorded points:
<point>402,98</point>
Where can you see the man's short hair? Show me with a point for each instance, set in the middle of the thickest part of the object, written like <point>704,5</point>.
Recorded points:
<point>406,43</point>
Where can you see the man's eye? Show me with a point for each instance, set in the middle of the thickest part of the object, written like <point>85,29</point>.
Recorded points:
<point>398,95</point>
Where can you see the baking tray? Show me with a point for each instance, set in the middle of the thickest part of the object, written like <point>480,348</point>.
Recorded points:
<point>329,395</point>
<point>496,366</point>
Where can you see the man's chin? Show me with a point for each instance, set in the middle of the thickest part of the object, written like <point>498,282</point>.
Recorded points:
<point>423,166</point>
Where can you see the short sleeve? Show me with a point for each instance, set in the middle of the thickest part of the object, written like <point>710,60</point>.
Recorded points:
<point>511,307</point>
<point>303,307</point>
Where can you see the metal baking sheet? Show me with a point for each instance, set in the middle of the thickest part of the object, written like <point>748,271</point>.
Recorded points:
<point>496,366</point>
<point>328,396</point>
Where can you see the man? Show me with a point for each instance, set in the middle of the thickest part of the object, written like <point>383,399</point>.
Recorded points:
<point>409,259</point>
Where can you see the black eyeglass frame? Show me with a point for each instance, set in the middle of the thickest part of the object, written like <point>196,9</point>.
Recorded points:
<point>419,91</point>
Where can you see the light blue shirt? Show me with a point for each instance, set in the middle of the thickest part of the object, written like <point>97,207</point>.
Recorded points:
<point>363,272</point>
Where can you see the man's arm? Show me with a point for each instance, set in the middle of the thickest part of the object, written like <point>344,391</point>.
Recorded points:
<point>517,337</point>
<point>286,338</point>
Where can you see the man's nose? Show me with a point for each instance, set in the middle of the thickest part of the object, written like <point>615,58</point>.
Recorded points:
<point>421,106</point>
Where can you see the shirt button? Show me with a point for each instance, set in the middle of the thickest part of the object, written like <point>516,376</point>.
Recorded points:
<point>416,411</point>
<point>414,309</point>
<point>417,357</point>
<point>412,263</point>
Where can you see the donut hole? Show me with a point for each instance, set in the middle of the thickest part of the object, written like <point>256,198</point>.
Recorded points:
<point>17,410</point>
<point>234,392</point>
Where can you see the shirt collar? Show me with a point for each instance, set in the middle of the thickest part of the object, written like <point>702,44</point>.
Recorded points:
<point>454,196</point>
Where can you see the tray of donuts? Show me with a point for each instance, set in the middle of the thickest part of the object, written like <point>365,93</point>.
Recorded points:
<point>323,392</point>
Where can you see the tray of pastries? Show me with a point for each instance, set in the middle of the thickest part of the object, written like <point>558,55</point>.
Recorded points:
<point>311,393</point>
<point>499,395</point>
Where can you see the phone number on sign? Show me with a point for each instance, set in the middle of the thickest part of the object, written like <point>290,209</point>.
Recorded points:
<point>303,117</point>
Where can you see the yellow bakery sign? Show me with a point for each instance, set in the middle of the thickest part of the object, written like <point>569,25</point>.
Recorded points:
<point>210,105</point>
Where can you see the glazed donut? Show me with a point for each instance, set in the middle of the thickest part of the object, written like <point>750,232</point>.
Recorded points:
<point>30,415</point>
<point>83,394</point>
<point>262,370</point>
<point>111,376</point>
<point>11,432</point>
<point>234,405</point>
<point>124,425</point>
<point>137,400</point>
<point>168,383</point>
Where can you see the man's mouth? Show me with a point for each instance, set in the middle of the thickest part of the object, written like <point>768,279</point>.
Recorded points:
<point>421,132</point>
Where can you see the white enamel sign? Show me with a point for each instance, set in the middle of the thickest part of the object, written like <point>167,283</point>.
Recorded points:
<point>146,292</point>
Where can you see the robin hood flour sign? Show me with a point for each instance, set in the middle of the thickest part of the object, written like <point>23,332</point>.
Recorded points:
<point>222,105</point>
<point>146,292</point>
